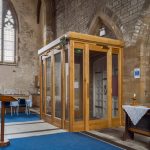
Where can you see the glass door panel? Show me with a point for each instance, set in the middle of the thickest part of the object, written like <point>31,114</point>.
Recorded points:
<point>67,86</point>
<point>98,85</point>
<point>78,84</point>
<point>57,70</point>
<point>115,85</point>
<point>48,86</point>
<point>43,87</point>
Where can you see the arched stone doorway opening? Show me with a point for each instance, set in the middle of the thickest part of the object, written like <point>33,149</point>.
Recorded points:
<point>106,26</point>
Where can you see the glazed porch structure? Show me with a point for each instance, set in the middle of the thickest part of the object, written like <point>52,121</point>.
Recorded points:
<point>81,82</point>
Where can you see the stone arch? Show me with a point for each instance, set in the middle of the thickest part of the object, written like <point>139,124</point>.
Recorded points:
<point>14,14</point>
<point>9,4</point>
<point>110,20</point>
<point>141,23</point>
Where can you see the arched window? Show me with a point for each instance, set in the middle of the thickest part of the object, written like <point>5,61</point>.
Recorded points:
<point>7,33</point>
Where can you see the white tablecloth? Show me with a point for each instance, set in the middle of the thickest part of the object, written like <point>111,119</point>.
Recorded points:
<point>14,104</point>
<point>135,112</point>
<point>29,102</point>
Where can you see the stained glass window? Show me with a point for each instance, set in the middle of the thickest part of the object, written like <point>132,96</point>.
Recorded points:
<point>7,34</point>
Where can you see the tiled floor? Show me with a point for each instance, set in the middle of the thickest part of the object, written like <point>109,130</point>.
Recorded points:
<point>115,135</point>
<point>27,129</point>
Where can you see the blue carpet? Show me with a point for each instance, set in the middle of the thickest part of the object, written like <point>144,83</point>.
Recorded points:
<point>22,117</point>
<point>60,141</point>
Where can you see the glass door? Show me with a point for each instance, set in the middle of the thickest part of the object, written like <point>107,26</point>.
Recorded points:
<point>57,89</point>
<point>57,81</point>
<point>90,88</point>
<point>43,86</point>
<point>78,85</point>
<point>48,87</point>
<point>98,85</point>
<point>116,89</point>
<point>94,81</point>
<point>115,106</point>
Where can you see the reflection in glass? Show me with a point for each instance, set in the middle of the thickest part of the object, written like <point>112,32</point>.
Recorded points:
<point>67,85</point>
<point>114,85</point>
<point>57,85</point>
<point>78,84</point>
<point>43,79</point>
<point>48,86</point>
<point>98,85</point>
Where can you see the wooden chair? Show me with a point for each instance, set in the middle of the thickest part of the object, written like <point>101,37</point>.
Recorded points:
<point>7,105</point>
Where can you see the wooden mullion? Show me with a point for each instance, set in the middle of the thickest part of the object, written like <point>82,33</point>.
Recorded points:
<point>71,84</point>
<point>86,87</point>
<point>41,86</point>
<point>63,90</point>
<point>120,79</point>
<point>45,82</point>
<point>109,86</point>
<point>53,88</point>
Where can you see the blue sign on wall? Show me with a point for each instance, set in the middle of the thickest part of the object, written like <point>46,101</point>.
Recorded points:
<point>137,73</point>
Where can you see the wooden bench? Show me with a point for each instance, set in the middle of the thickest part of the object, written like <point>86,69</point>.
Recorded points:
<point>142,127</point>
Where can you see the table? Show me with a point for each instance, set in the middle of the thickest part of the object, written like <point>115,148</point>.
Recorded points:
<point>3,99</point>
<point>136,123</point>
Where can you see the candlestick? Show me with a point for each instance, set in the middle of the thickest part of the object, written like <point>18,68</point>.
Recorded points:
<point>134,100</point>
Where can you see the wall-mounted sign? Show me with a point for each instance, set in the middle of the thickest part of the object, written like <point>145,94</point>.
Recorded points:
<point>76,85</point>
<point>137,73</point>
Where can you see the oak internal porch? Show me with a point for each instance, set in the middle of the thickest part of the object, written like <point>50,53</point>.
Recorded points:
<point>81,82</point>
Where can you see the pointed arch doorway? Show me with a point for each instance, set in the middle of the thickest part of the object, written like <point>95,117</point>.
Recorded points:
<point>104,111</point>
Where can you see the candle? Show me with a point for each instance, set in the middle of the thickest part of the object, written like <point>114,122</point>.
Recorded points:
<point>134,95</point>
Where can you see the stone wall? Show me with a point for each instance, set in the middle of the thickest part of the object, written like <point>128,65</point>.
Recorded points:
<point>20,78</point>
<point>77,15</point>
<point>129,19</point>
<point>125,18</point>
